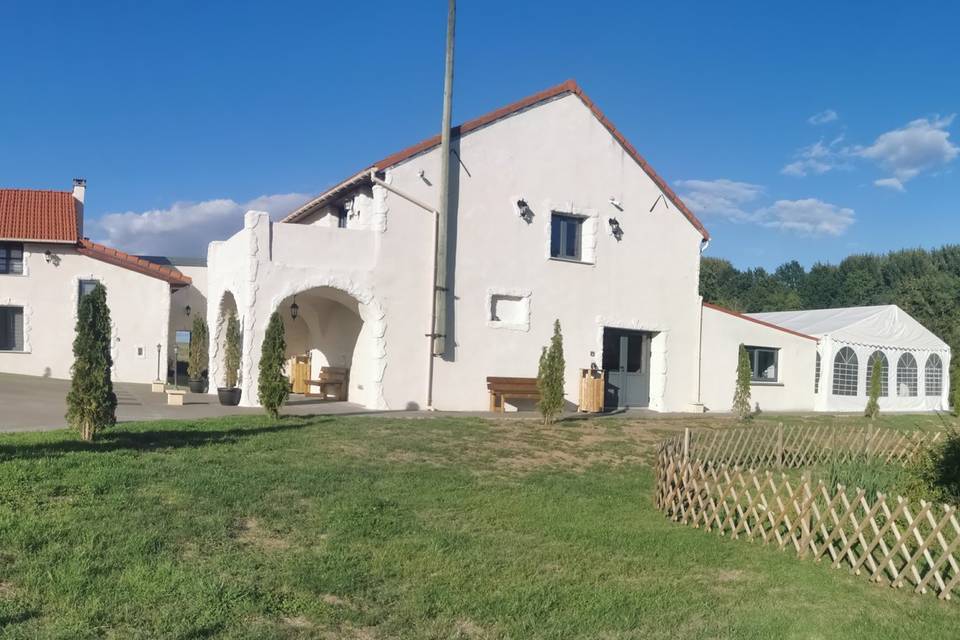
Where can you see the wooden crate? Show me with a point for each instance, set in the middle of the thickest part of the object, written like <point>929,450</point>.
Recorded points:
<point>591,390</point>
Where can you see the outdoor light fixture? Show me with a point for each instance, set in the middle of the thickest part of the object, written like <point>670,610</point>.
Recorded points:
<point>50,256</point>
<point>187,310</point>
<point>524,209</point>
<point>294,308</point>
<point>615,228</point>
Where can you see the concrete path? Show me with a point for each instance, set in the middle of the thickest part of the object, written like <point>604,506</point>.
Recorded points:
<point>29,403</point>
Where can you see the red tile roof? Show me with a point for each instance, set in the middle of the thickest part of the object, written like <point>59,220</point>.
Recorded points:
<point>570,86</point>
<point>755,320</point>
<point>47,216</point>
<point>133,263</point>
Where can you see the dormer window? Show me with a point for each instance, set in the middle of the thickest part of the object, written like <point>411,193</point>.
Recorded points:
<point>11,258</point>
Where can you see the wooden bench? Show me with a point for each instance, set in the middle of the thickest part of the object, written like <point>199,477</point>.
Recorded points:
<point>502,389</point>
<point>333,383</point>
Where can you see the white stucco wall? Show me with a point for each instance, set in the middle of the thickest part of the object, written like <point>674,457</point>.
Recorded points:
<point>556,156</point>
<point>139,311</point>
<point>723,334</point>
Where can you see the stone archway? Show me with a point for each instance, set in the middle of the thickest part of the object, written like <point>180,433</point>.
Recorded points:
<point>226,305</point>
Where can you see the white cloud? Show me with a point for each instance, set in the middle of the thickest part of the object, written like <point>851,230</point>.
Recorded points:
<point>809,217</point>
<point>731,200</point>
<point>184,228</point>
<point>921,145</point>
<point>817,159</point>
<point>890,183</point>
<point>725,198</point>
<point>825,116</point>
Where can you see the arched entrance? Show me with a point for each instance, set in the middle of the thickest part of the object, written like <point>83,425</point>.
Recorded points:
<point>331,334</point>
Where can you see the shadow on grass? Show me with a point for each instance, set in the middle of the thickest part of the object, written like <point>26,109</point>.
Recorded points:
<point>123,440</point>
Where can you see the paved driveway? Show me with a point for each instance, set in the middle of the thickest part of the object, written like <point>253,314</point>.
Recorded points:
<point>29,403</point>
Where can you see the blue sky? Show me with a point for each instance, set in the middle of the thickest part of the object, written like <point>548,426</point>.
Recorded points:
<point>182,114</point>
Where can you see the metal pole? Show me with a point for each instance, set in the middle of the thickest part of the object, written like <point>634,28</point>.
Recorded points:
<point>440,283</point>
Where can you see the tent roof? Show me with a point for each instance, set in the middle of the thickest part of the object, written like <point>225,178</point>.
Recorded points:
<point>879,326</point>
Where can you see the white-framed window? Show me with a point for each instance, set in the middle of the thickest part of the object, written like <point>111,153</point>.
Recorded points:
<point>933,376</point>
<point>566,236</point>
<point>11,329</point>
<point>846,371</point>
<point>764,364</point>
<point>907,376</point>
<point>11,258</point>
<point>884,372</point>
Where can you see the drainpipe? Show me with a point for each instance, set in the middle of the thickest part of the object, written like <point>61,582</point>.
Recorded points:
<point>440,282</point>
<point>433,276</point>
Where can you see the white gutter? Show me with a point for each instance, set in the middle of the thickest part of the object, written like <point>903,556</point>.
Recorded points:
<point>433,276</point>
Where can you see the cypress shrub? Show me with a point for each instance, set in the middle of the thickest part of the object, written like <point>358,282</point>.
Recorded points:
<point>199,347</point>
<point>741,395</point>
<point>873,404</point>
<point>91,402</point>
<point>273,385</point>
<point>550,377</point>
<point>231,356</point>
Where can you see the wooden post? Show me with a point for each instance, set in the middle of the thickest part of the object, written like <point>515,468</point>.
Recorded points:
<point>686,444</point>
<point>779,445</point>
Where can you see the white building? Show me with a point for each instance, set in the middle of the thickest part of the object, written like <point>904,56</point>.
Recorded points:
<point>914,362</point>
<point>46,265</point>
<point>553,215</point>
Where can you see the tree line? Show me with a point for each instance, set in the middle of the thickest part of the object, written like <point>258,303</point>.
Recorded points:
<point>924,283</point>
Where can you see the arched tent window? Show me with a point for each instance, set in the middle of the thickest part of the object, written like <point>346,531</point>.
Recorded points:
<point>884,372</point>
<point>816,375</point>
<point>933,375</point>
<point>846,370</point>
<point>907,376</point>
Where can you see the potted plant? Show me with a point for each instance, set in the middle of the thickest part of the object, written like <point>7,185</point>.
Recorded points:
<point>197,364</point>
<point>230,394</point>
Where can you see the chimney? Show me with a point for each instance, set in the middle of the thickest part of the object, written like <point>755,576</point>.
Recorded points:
<point>79,192</point>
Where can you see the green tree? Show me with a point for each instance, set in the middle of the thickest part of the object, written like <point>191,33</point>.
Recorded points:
<point>873,403</point>
<point>199,347</point>
<point>741,395</point>
<point>955,388</point>
<point>231,356</point>
<point>91,402</point>
<point>273,385</point>
<point>550,377</point>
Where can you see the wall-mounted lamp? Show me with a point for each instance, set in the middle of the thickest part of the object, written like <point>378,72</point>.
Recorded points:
<point>616,203</point>
<point>524,210</point>
<point>616,229</point>
<point>51,257</point>
<point>294,308</point>
<point>187,309</point>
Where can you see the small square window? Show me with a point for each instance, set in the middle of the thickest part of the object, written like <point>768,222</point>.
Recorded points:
<point>11,258</point>
<point>764,364</point>
<point>565,236</point>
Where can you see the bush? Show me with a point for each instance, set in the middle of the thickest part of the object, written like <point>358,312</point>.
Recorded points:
<point>936,472</point>
<point>273,385</point>
<point>741,395</point>
<point>91,403</point>
<point>550,377</point>
<point>199,348</point>
<point>231,356</point>
<point>955,388</point>
<point>873,404</point>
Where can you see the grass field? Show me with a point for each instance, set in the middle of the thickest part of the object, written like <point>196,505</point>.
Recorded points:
<point>375,527</point>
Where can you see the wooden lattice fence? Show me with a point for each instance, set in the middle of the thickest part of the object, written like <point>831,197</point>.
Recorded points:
<point>887,539</point>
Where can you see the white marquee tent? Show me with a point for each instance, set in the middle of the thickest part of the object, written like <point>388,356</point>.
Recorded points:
<point>914,361</point>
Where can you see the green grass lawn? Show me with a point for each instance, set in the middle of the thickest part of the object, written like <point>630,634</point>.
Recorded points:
<point>371,528</point>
